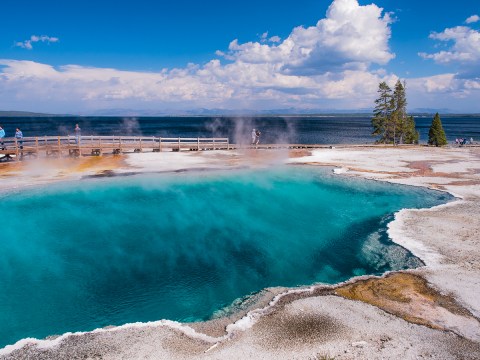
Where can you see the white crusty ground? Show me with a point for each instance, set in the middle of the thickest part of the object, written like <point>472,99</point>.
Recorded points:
<point>446,238</point>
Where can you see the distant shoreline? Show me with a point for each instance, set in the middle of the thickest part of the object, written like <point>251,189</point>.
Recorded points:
<point>14,114</point>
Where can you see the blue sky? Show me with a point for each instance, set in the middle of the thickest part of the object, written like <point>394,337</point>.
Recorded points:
<point>83,57</point>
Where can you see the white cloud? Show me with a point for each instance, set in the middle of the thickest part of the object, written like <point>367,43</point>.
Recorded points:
<point>439,90</point>
<point>27,44</point>
<point>472,19</point>
<point>472,84</point>
<point>273,39</point>
<point>465,48</point>
<point>444,83</point>
<point>444,91</point>
<point>235,85</point>
<point>350,37</point>
<point>461,54</point>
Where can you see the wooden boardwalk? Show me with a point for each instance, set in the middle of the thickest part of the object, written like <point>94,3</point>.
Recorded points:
<point>59,146</point>
<point>97,145</point>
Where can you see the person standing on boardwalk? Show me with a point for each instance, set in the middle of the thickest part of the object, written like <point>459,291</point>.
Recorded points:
<point>2,135</point>
<point>78,134</point>
<point>19,137</point>
<point>254,136</point>
<point>257,137</point>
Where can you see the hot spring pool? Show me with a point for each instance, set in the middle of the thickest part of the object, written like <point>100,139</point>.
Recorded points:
<point>83,255</point>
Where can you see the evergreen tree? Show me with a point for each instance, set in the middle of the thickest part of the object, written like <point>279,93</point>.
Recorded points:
<point>382,112</point>
<point>399,113</point>
<point>436,134</point>
<point>411,133</point>
<point>390,120</point>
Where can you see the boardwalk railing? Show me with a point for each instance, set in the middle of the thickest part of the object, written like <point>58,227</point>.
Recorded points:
<point>97,145</point>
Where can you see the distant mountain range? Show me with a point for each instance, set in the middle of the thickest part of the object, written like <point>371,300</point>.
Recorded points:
<point>431,111</point>
<point>27,114</point>
<point>221,112</point>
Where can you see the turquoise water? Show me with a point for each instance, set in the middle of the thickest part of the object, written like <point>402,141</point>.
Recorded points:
<point>78,256</point>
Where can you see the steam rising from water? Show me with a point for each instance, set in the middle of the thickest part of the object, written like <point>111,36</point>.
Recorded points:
<point>239,129</point>
<point>215,127</point>
<point>244,126</point>
<point>130,127</point>
<point>242,133</point>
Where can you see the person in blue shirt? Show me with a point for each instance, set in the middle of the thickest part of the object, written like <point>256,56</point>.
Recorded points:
<point>19,137</point>
<point>2,135</point>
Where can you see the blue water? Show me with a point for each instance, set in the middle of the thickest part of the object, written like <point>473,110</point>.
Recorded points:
<point>83,255</point>
<point>337,129</point>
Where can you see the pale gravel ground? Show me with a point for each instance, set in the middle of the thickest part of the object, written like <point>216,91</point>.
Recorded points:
<point>452,232</point>
<point>304,329</point>
<point>330,325</point>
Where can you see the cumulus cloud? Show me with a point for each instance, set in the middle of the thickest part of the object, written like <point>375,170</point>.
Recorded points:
<point>237,85</point>
<point>472,19</point>
<point>444,90</point>
<point>27,44</point>
<point>461,53</point>
<point>350,37</point>
<point>214,83</point>
<point>273,39</point>
<point>465,48</point>
<point>444,83</point>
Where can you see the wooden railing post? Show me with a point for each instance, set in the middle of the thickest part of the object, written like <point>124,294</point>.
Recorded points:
<point>198,144</point>
<point>160,144</point>
<point>16,150</point>
<point>179,144</point>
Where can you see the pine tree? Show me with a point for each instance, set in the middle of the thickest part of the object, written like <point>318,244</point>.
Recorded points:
<point>411,133</point>
<point>382,112</point>
<point>390,120</point>
<point>399,113</point>
<point>436,134</point>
